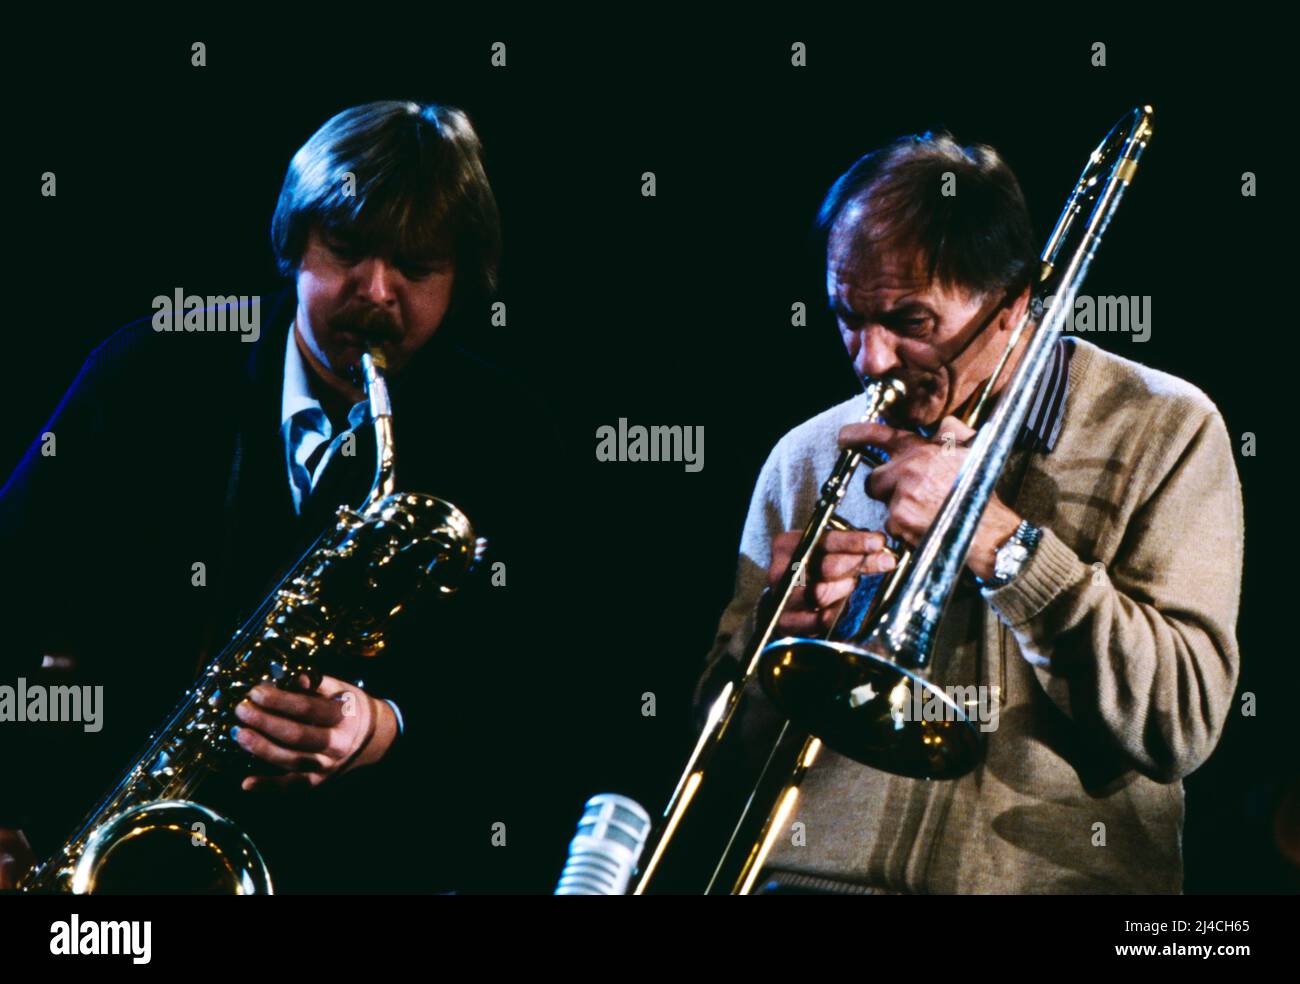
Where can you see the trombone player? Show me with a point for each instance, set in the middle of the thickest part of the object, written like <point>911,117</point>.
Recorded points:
<point>1097,612</point>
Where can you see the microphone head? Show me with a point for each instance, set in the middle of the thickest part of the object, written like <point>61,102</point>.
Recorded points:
<point>603,856</point>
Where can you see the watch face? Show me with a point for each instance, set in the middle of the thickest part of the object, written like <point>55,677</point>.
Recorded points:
<point>1008,561</point>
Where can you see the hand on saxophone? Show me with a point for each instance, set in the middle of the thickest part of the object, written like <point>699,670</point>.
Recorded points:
<point>16,858</point>
<point>842,557</point>
<point>313,735</point>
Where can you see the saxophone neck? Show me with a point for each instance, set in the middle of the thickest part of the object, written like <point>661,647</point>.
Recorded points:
<point>381,416</point>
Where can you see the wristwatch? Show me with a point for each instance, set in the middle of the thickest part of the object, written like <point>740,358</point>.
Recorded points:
<point>1014,554</point>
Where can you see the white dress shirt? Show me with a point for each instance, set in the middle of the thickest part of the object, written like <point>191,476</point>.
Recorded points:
<point>306,427</point>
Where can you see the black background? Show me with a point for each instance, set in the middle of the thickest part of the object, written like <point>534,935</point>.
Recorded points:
<point>676,309</point>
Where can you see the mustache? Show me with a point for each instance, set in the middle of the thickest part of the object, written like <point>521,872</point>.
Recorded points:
<point>370,323</point>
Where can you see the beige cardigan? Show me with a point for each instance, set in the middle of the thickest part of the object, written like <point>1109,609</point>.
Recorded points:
<point>1114,650</point>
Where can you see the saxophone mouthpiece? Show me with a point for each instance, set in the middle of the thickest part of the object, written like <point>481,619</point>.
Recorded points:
<point>359,372</point>
<point>381,414</point>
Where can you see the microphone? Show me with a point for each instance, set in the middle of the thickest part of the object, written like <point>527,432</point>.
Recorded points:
<point>603,855</point>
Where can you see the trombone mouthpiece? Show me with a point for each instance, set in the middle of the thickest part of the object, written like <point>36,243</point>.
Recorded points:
<point>882,394</point>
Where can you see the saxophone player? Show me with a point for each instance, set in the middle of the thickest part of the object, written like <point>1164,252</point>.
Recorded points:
<point>191,468</point>
<point>1100,612</point>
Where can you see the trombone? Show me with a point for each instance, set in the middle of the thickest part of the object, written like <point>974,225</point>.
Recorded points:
<point>852,695</point>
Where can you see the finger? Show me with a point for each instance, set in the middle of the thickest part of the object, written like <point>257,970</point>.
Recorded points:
<point>882,481</point>
<point>836,566</point>
<point>799,623</point>
<point>835,577</point>
<point>880,562</point>
<point>827,593</point>
<point>875,435</point>
<point>904,526</point>
<point>827,597</point>
<point>290,759</point>
<point>839,566</point>
<point>16,857</point>
<point>291,780</point>
<point>956,427</point>
<point>783,547</point>
<point>303,683</point>
<point>848,543</point>
<point>10,871</point>
<point>310,708</point>
<point>347,697</point>
<point>852,541</point>
<point>333,687</point>
<point>284,731</point>
<point>786,541</point>
<point>827,617</point>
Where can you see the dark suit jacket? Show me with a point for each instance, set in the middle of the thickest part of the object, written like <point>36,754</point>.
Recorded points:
<point>168,453</point>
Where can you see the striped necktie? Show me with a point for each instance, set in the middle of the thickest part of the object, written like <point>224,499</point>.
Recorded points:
<point>314,446</point>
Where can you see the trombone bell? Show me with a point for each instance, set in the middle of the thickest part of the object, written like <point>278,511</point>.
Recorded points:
<point>870,709</point>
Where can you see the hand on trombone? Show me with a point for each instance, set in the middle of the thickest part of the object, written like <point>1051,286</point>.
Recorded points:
<point>913,484</point>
